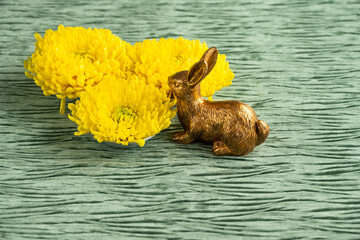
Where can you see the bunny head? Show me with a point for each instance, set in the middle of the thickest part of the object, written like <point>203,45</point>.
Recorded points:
<point>186,83</point>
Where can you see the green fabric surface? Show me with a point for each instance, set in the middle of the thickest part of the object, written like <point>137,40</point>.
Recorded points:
<point>297,63</point>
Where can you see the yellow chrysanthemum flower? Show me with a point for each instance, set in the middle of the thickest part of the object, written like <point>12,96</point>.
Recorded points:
<point>69,59</point>
<point>122,110</point>
<point>156,60</point>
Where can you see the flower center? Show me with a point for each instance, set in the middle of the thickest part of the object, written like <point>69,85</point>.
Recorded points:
<point>179,58</point>
<point>123,114</point>
<point>85,55</point>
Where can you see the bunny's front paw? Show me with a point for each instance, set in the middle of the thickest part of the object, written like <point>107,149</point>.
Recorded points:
<point>220,149</point>
<point>183,137</point>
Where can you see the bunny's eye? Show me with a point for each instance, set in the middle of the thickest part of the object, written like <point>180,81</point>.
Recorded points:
<point>177,84</point>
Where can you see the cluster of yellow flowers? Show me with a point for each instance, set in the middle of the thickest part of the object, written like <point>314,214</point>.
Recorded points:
<point>123,91</point>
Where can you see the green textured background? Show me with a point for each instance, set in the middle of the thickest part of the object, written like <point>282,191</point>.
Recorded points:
<point>297,63</point>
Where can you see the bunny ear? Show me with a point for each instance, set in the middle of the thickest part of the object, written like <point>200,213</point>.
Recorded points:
<point>197,73</point>
<point>210,57</point>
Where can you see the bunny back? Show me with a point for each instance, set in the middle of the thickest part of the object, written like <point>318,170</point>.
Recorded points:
<point>215,121</point>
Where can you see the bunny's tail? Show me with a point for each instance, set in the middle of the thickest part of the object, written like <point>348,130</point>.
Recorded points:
<point>262,131</point>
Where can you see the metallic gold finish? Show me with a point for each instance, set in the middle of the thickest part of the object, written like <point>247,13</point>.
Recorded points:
<point>232,126</point>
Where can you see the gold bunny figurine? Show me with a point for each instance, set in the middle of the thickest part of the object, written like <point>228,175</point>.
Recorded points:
<point>232,126</point>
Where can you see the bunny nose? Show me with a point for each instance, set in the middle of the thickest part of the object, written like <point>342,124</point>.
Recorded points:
<point>171,79</point>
